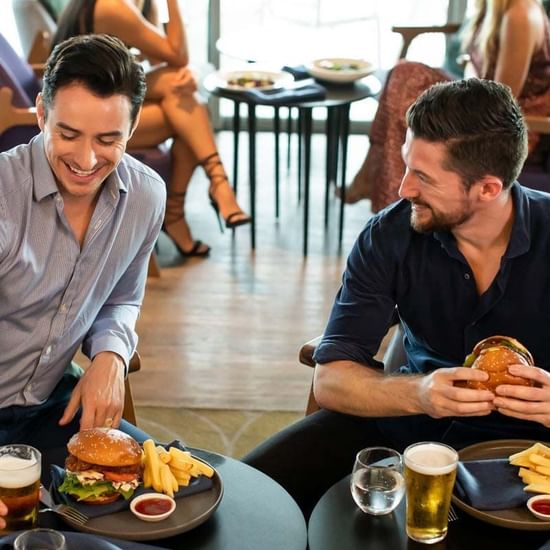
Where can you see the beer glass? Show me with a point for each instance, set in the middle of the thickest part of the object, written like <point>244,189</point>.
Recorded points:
<point>377,483</point>
<point>20,469</point>
<point>430,471</point>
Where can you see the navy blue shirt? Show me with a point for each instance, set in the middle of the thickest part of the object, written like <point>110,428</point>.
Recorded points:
<point>433,287</point>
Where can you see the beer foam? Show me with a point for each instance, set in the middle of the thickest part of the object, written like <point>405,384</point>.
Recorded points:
<point>431,459</point>
<point>18,472</point>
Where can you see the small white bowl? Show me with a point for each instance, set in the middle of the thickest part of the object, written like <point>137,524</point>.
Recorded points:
<point>341,70</point>
<point>152,496</point>
<point>537,498</point>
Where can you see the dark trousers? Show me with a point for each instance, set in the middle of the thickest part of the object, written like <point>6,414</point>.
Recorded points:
<point>38,425</point>
<point>309,456</point>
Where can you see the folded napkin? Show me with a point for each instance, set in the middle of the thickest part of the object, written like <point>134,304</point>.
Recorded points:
<point>299,72</point>
<point>281,96</point>
<point>83,541</point>
<point>196,485</point>
<point>490,484</point>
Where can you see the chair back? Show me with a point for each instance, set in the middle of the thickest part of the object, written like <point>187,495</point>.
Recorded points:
<point>31,19</point>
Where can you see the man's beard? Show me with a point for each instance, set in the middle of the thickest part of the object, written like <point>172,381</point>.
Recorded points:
<point>440,221</point>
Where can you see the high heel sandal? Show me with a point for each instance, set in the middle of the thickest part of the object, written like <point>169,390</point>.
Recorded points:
<point>234,219</point>
<point>195,250</point>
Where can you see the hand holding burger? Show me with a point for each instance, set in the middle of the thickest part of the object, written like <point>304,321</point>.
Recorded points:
<point>103,465</point>
<point>494,355</point>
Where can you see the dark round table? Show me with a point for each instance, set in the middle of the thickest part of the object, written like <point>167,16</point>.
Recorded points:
<point>336,522</point>
<point>337,102</point>
<point>255,513</point>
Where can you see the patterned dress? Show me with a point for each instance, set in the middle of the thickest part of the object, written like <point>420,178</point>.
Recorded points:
<point>380,176</point>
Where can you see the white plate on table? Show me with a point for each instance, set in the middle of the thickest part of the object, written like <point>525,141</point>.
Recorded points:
<point>341,70</point>
<point>250,79</point>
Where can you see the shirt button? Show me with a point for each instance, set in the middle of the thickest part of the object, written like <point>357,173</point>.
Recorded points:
<point>467,276</point>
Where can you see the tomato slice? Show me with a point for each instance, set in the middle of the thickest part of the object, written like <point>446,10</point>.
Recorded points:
<point>115,476</point>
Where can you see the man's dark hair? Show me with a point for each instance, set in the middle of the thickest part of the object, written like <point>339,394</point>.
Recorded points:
<point>101,63</point>
<point>479,122</point>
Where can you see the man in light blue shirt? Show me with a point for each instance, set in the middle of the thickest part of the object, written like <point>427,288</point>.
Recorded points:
<point>78,221</point>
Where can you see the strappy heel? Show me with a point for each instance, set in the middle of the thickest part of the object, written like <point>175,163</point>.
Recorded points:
<point>212,164</point>
<point>175,216</point>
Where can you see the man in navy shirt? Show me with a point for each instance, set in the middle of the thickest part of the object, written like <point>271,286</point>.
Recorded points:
<point>465,255</point>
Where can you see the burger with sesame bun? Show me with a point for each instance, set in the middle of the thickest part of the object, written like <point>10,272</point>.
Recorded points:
<point>103,465</point>
<point>494,355</point>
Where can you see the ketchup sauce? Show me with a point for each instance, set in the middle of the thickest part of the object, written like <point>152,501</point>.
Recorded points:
<point>541,506</point>
<point>154,506</point>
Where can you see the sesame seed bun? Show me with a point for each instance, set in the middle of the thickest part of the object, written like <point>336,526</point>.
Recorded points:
<point>106,447</point>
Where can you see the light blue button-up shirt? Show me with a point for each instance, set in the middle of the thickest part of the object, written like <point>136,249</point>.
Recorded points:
<point>55,295</point>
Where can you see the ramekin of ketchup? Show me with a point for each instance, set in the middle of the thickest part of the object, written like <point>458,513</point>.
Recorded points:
<point>540,506</point>
<point>152,506</point>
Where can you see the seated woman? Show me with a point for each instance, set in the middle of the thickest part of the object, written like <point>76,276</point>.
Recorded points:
<point>507,41</point>
<point>171,108</point>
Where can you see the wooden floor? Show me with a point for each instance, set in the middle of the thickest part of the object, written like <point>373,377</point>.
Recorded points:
<point>225,332</point>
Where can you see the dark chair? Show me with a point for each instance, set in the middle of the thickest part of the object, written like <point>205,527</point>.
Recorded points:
<point>18,88</point>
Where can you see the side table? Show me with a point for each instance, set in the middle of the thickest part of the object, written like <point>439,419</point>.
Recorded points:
<point>337,102</point>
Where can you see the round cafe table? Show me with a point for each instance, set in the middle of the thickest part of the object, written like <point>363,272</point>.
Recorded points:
<point>336,522</point>
<point>255,513</point>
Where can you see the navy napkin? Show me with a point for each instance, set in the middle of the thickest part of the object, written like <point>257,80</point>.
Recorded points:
<point>281,96</point>
<point>84,541</point>
<point>299,72</point>
<point>196,485</point>
<point>490,484</point>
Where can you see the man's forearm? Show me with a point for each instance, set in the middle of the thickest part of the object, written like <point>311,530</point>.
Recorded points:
<point>350,388</point>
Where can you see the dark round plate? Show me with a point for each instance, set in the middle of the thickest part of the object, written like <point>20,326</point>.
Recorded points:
<point>513,518</point>
<point>190,512</point>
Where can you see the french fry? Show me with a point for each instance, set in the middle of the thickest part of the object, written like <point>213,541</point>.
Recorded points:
<point>166,479</point>
<point>529,476</point>
<point>152,458</point>
<point>176,464</point>
<point>147,477</point>
<point>542,470</point>
<point>538,488</point>
<point>164,455</point>
<point>182,478</point>
<point>539,460</point>
<point>537,449</point>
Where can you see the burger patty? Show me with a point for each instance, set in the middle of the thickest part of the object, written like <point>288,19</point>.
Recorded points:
<point>75,465</point>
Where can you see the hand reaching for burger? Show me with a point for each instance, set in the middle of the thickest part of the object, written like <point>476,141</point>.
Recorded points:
<point>100,393</point>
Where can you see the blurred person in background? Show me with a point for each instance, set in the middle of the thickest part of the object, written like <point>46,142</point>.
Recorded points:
<point>172,108</point>
<point>504,40</point>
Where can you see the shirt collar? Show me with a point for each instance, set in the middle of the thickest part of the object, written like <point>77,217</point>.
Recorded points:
<point>520,238</point>
<point>44,183</point>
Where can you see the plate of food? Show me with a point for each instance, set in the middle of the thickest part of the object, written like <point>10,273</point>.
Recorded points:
<point>250,79</point>
<point>341,70</point>
<point>518,517</point>
<point>106,469</point>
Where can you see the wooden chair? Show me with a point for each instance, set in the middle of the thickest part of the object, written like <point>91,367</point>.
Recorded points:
<point>394,357</point>
<point>129,412</point>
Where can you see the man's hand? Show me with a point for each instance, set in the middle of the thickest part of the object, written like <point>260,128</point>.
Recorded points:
<point>100,392</point>
<point>527,403</point>
<point>3,512</point>
<point>439,397</point>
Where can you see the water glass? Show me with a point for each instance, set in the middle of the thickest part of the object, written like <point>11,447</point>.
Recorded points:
<point>40,539</point>
<point>430,472</point>
<point>377,483</point>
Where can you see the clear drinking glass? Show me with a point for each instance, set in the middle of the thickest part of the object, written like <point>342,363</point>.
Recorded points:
<point>377,483</point>
<point>430,472</point>
<point>40,539</point>
<point>20,468</point>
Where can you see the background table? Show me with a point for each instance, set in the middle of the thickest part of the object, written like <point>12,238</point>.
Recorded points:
<point>336,522</point>
<point>255,513</point>
<point>337,102</point>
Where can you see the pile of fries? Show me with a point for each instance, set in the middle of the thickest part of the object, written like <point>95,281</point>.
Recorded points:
<point>534,470</point>
<point>165,470</point>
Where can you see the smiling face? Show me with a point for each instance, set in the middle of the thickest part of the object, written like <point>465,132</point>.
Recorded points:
<point>439,199</point>
<point>85,137</point>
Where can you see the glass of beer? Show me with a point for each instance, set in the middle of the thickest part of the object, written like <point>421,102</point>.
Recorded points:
<point>430,471</point>
<point>20,468</point>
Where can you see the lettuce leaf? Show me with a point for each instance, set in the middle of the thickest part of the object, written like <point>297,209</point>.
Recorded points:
<point>72,486</point>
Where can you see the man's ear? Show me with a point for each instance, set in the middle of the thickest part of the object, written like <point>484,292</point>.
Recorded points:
<point>490,188</point>
<point>40,112</point>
